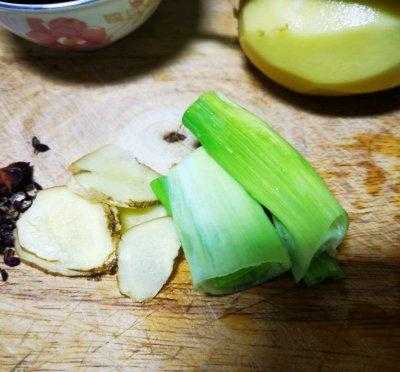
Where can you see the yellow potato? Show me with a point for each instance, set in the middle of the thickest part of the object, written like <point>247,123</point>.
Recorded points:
<point>322,46</point>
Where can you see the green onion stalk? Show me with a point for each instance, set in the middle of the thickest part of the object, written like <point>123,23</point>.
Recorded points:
<point>276,176</point>
<point>228,241</point>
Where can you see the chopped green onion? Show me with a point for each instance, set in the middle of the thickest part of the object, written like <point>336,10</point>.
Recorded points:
<point>228,240</point>
<point>273,173</point>
<point>160,188</point>
<point>322,266</point>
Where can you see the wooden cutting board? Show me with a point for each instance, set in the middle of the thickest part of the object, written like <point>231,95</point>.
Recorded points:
<point>133,93</point>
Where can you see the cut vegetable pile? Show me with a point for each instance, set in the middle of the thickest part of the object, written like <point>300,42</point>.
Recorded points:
<point>79,231</point>
<point>246,208</point>
<point>228,241</point>
<point>273,173</point>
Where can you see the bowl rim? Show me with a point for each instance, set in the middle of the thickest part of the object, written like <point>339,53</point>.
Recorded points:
<point>66,5</point>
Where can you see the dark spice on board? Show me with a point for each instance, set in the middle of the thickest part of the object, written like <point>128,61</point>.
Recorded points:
<point>39,146</point>
<point>17,192</point>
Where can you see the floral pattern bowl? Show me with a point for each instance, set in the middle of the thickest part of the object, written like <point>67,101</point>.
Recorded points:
<point>77,24</point>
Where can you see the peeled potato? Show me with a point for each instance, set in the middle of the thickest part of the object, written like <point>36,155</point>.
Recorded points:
<point>324,47</point>
<point>68,231</point>
<point>132,217</point>
<point>146,257</point>
<point>111,176</point>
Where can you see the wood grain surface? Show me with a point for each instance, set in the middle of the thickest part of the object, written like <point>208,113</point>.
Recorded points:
<point>133,93</point>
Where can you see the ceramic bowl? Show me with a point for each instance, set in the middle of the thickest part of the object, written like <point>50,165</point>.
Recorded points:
<point>78,24</point>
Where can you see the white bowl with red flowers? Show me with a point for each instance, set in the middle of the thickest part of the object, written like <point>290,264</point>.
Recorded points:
<point>75,25</point>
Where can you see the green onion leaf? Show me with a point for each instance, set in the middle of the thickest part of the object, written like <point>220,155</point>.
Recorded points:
<point>273,173</point>
<point>227,239</point>
<point>322,267</point>
<point>160,188</point>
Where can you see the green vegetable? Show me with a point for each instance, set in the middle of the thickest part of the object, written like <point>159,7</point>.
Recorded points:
<point>228,240</point>
<point>322,266</point>
<point>160,188</point>
<point>273,173</point>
